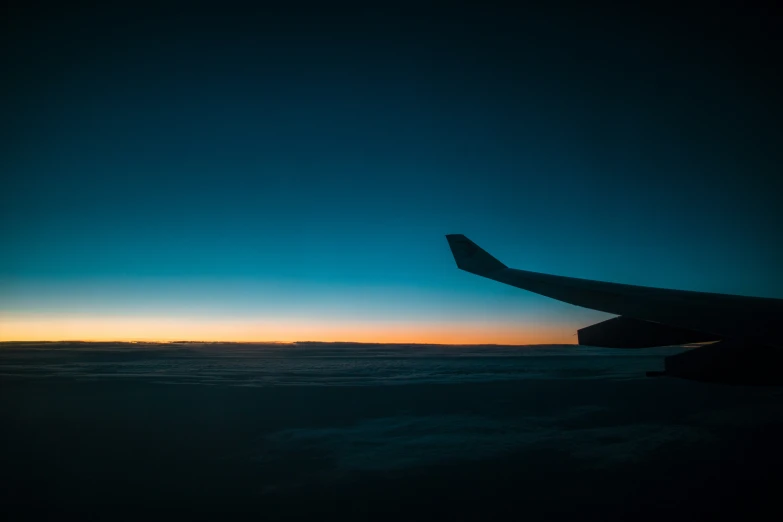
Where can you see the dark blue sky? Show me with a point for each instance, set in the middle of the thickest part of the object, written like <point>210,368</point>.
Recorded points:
<point>182,162</point>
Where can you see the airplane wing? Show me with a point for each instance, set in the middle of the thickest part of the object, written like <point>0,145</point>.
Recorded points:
<point>649,316</point>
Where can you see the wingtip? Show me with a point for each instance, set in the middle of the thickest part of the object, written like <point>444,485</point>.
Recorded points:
<point>471,257</point>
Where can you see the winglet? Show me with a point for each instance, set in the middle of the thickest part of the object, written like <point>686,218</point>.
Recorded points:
<point>471,258</point>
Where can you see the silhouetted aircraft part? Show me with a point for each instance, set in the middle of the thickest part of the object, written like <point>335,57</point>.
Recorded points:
<point>729,362</point>
<point>626,332</point>
<point>655,317</point>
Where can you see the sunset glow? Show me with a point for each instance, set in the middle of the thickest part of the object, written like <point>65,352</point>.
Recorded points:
<point>281,330</point>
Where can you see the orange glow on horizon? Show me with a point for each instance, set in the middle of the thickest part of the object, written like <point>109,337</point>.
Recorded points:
<point>38,328</point>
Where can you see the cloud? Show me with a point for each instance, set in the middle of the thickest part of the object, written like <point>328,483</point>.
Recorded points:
<point>406,442</point>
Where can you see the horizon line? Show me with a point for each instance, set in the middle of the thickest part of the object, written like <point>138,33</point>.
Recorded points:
<point>166,341</point>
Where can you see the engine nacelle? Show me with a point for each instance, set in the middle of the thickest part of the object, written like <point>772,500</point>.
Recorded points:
<point>625,332</point>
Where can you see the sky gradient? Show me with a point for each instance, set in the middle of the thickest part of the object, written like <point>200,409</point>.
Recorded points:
<point>218,174</point>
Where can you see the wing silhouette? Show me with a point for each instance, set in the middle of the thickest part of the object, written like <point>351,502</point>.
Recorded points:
<point>649,316</point>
